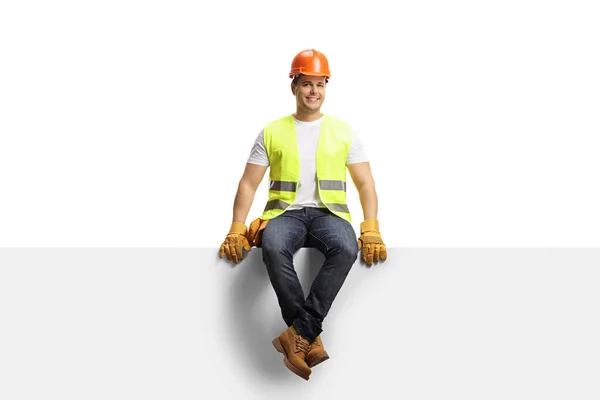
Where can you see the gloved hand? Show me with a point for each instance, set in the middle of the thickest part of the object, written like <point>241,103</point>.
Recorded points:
<point>234,242</point>
<point>373,249</point>
<point>255,231</point>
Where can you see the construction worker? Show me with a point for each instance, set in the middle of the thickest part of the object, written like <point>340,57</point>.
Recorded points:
<point>308,153</point>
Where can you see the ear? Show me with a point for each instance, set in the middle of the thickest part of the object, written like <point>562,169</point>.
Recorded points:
<point>293,87</point>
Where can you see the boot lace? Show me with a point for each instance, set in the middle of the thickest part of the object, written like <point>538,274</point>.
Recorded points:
<point>302,344</point>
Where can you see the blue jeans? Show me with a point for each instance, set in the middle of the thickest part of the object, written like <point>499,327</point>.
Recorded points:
<point>308,227</point>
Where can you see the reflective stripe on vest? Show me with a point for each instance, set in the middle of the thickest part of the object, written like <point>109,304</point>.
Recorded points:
<point>281,144</point>
<point>276,204</point>
<point>283,186</point>
<point>332,185</point>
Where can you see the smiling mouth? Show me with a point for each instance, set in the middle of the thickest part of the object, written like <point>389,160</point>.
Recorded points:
<point>313,98</point>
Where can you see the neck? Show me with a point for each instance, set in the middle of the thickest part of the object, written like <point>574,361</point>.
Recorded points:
<point>307,117</point>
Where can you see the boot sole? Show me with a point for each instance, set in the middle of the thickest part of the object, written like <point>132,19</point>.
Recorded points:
<point>287,363</point>
<point>319,360</point>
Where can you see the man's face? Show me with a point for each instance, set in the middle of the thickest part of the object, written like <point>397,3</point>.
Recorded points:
<point>309,92</point>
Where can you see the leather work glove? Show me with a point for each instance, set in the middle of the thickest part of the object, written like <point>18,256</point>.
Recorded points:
<point>234,242</point>
<point>373,249</point>
<point>255,231</point>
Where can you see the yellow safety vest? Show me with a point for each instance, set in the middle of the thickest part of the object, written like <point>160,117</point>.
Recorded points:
<point>281,144</point>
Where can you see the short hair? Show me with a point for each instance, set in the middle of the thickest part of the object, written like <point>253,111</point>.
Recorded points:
<point>297,76</point>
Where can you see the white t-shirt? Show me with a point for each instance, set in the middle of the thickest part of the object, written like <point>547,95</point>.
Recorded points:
<point>307,194</point>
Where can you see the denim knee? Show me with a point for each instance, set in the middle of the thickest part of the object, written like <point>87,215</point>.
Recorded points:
<point>348,250</point>
<point>275,253</point>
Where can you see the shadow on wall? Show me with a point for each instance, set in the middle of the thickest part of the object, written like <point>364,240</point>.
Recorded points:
<point>251,313</point>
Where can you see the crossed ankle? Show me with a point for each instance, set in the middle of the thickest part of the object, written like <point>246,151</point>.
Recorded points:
<point>303,335</point>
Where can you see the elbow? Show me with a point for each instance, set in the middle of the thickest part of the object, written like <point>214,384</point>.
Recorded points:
<point>247,186</point>
<point>366,186</point>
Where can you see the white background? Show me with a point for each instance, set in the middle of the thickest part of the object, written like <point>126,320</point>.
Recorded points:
<point>128,123</point>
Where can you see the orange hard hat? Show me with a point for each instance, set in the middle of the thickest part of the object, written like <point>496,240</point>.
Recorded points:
<point>310,62</point>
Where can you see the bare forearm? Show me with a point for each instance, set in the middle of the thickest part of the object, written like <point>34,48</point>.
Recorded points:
<point>368,200</point>
<point>243,201</point>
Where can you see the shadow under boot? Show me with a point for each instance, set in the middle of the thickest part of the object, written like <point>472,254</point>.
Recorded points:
<point>316,353</point>
<point>294,349</point>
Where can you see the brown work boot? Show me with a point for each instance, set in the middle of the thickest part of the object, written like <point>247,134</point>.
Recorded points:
<point>294,349</point>
<point>316,354</point>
